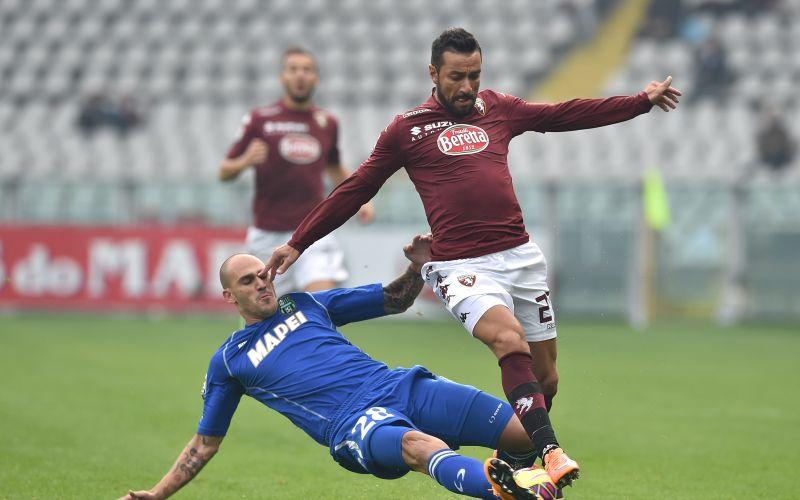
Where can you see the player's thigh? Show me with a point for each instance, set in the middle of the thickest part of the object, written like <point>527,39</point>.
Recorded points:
<point>500,330</point>
<point>534,310</point>
<point>321,262</point>
<point>458,414</point>
<point>371,442</point>
<point>474,296</point>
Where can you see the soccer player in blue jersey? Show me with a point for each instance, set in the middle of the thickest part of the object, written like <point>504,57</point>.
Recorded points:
<point>375,420</point>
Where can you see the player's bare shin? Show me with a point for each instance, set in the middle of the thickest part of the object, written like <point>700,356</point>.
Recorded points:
<point>192,459</point>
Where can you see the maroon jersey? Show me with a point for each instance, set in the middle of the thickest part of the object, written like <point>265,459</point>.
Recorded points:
<point>301,145</point>
<point>460,170</point>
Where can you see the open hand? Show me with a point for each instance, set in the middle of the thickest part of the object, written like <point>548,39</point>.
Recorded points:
<point>662,94</point>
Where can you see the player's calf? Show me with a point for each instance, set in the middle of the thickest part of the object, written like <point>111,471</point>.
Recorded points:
<point>430,455</point>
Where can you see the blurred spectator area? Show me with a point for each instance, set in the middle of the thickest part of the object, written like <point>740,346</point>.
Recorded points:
<point>193,68</point>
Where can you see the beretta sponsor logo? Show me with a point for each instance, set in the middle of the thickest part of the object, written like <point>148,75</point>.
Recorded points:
<point>462,139</point>
<point>300,148</point>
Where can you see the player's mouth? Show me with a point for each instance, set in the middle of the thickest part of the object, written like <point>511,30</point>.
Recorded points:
<point>464,100</point>
<point>264,296</point>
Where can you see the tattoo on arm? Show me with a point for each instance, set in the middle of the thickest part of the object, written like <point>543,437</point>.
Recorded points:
<point>400,293</point>
<point>190,463</point>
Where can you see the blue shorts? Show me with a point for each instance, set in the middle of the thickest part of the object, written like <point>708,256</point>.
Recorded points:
<point>459,415</point>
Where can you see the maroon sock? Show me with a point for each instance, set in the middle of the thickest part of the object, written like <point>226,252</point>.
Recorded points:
<point>525,395</point>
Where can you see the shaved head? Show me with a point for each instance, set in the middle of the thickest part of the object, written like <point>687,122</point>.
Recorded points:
<point>227,271</point>
<point>253,296</point>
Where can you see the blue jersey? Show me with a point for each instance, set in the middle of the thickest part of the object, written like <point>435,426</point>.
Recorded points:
<point>296,363</point>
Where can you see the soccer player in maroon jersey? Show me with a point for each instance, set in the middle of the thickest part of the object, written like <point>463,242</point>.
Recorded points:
<point>291,143</point>
<point>485,269</point>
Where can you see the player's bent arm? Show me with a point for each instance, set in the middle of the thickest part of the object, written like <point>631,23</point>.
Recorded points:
<point>256,153</point>
<point>194,457</point>
<point>401,293</point>
<point>230,168</point>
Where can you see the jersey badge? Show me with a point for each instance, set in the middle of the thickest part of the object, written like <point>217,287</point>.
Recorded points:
<point>467,279</point>
<point>286,305</point>
<point>480,106</point>
<point>321,119</point>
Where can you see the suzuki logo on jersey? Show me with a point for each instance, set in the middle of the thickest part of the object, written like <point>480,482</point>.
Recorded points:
<point>271,339</point>
<point>299,148</point>
<point>462,139</point>
<point>428,129</point>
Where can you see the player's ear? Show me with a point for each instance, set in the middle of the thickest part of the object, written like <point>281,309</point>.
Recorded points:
<point>228,297</point>
<point>434,74</point>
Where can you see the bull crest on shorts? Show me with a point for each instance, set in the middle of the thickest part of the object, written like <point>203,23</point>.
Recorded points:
<point>467,279</point>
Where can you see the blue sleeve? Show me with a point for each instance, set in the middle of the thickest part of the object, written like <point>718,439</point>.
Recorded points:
<point>346,305</point>
<point>221,395</point>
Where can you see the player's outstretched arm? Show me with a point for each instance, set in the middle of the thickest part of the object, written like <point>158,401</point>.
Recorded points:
<point>195,455</point>
<point>663,94</point>
<point>256,153</point>
<point>401,293</point>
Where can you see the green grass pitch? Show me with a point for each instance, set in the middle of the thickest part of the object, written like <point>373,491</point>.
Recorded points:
<point>93,405</point>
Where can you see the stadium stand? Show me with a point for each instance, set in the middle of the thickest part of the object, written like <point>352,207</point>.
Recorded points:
<point>197,66</point>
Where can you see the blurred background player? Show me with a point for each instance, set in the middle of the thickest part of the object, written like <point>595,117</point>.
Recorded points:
<point>291,358</point>
<point>292,143</point>
<point>485,270</point>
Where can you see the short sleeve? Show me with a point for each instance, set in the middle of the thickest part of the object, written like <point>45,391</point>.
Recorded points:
<point>221,396</point>
<point>243,138</point>
<point>346,305</point>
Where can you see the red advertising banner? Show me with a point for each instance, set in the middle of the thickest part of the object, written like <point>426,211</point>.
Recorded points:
<point>114,268</point>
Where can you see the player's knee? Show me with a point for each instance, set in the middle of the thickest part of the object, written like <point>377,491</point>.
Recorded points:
<point>417,447</point>
<point>507,340</point>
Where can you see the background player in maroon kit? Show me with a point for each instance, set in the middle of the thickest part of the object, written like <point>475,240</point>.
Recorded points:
<point>291,143</point>
<point>486,271</point>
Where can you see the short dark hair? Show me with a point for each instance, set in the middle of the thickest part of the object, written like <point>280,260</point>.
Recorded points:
<point>295,50</point>
<point>456,40</point>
